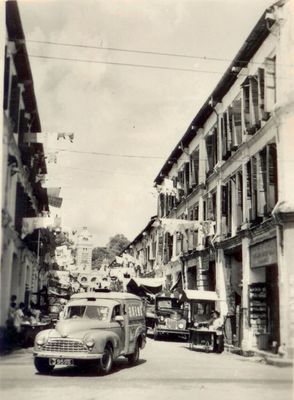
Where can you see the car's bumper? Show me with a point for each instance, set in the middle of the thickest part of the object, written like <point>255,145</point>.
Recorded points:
<point>163,331</point>
<point>68,355</point>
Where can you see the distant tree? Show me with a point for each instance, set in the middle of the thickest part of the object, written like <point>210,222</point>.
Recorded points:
<point>98,255</point>
<point>117,244</point>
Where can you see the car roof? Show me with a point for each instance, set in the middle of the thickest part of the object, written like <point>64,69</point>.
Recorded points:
<point>105,295</point>
<point>92,302</point>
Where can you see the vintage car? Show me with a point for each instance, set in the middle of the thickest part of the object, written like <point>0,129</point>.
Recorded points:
<point>96,328</point>
<point>171,318</point>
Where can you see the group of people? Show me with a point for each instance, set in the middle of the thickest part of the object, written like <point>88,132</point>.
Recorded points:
<point>19,315</point>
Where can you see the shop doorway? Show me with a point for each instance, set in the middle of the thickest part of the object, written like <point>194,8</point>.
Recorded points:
<point>273,305</point>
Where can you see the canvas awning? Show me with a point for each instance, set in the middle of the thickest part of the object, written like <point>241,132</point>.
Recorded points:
<point>206,295</point>
<point>142,286</point>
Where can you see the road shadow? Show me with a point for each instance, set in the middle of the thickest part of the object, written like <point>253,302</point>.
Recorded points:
<point>93,371</point>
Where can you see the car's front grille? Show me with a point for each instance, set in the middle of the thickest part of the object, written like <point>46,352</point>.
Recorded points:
<point>173,324</point>
<point>65,345</point>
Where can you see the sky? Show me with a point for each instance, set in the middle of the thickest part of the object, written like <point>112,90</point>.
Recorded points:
<point>124,110</point>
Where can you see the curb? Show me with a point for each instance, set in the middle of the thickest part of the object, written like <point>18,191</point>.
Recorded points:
<point>260,356</point>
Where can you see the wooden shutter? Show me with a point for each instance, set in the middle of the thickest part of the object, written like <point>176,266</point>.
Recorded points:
<point>14,103</point>
<point>261,181</point>
<point>261,94</point>
<point>237,122</point>
<point>186,177</point>
<point>254,112</point>
<point>6,80</point>
<point>246,106</point>
<point>228,129</point>
<point>272,193</point>
<point>253,188</point>
<point>223,136</point>
<point>209,151</point>
<point>270,84</point>
<point>210,215</point>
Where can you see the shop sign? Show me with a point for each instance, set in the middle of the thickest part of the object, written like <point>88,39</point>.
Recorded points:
<point>263,254</point>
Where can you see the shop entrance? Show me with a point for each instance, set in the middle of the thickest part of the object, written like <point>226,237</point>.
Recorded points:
<point>233,273</point>
<point>273,305</point>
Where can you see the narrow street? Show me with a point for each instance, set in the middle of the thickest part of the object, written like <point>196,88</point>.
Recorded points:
<point>167,370</point>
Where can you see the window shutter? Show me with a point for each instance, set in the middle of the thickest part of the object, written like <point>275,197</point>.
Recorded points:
<point>6,80</point>
<point>224,137</point>
<point>237,122</point>
<point>261,180</point>
<point>240,189</point>
<point>272,197</point>
<point>270,84</point>
<point>186,177</point>
<point>224,200</point>
<point>228,127</point>
<point>209,151</point>
<point>14,102</point>
<point>261,94</point>
<point>210,214</point>
<point>246,106</point>
<point>161,204</point>
<point>254,188</point>
<point>254,117</point>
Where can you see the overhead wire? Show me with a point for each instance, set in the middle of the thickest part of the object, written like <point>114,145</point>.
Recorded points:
<point>124,64</point>
<point>146,52</point>
<point>147,66</point>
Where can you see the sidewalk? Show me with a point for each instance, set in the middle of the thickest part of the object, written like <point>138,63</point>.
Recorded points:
<point>256,355</point>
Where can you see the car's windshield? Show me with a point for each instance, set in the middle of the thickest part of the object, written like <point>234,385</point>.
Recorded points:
<point>168,303</point>
<point>87,312</point>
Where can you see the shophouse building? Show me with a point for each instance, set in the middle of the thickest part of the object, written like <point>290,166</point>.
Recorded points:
<point>226,199</point>
<point>23,256</point>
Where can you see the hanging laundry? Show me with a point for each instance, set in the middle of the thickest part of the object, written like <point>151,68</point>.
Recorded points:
<point>64,135</point>
<point>53,191</point>
<point>55,201</point>
<point>30,224</point>
<point>51,157</point>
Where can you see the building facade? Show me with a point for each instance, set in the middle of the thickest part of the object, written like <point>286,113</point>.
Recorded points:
<point>23,256</point>
<point>225,196</point>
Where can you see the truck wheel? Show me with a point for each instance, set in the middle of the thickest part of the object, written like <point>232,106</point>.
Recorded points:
<point>42,365</point>
<point>134,357</point>
<point>106,361</point>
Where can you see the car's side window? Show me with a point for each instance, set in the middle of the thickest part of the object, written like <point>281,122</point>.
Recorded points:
<point>115,311</point>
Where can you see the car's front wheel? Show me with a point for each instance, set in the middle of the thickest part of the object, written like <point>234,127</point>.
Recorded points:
<point>134,357</point>
<point>106,361</point>
<point>42,365</point>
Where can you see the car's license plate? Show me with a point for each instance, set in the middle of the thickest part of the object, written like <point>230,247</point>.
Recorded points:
<point>61,361</point>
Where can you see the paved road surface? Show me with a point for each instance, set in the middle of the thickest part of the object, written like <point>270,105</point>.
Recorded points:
<point>167,371</point>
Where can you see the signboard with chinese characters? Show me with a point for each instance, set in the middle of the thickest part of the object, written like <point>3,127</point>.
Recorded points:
<point>263,254</point>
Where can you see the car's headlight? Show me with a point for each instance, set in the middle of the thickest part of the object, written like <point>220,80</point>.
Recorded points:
<point>195,324</point>
<point>161,318</point>
<point>40,340</point>
<point>181,326</point>
<point>90,343</point>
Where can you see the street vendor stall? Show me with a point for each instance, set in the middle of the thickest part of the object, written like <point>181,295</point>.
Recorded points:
<point>206,325</point>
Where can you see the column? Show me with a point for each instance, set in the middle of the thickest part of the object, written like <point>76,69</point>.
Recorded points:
<point>246,338</point>
<point>220,281</point>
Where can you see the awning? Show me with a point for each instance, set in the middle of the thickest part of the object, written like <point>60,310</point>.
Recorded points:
<point>141,286</point>
<point>207,295</point>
